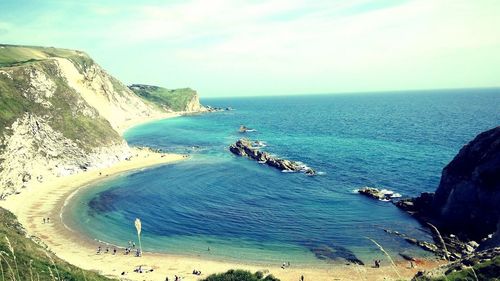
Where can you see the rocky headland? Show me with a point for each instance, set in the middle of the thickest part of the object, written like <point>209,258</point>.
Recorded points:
<point>466,201</point>
<point>61,114</point>
<point>462,215</point>
<point>246,148</point>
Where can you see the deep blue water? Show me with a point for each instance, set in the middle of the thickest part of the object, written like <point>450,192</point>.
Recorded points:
<point>246,211</point>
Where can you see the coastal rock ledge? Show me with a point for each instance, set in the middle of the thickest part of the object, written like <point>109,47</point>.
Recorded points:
<point>467,199</point>
<point>245,148</point>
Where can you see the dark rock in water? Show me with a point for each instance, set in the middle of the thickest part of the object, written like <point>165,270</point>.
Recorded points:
<point>244,129</point>
<point>415,205</point>
<point>383,194</point>
<point>103,202</point>
<point>467,198</point>
<point>333,253</point>
<point>407,257</point>
<point>244,147</point>
<point>430,247</point>
<point>422,244</point>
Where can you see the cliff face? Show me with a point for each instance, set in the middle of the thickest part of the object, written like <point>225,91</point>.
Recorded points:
<point>113,101</point>
<point>468,197</point>
<point>59,112</point>
<point>178,100</point>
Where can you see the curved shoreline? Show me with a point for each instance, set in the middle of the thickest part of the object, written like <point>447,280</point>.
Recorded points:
<point>49,198</point>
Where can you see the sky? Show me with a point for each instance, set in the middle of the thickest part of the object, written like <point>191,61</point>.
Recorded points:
<point>276,47</point>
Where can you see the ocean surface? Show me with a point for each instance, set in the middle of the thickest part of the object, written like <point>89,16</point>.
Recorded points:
<point>245,211</point>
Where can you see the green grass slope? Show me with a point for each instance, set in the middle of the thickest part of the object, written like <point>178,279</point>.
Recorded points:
<point>23,259</point>
<point>65,114</point>
<point>15,55</point>
<point>176,100</point>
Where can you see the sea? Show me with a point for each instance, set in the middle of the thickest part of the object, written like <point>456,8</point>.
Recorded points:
<point>219,206</point>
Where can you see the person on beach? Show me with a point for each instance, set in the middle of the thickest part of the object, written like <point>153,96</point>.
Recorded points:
<point>377,263</point>
<point>107,250</point>
<point>99,250</point>
<point>114,251</point>
<point>302,278</point>
<point>48,220</point>
<point>43,220</point>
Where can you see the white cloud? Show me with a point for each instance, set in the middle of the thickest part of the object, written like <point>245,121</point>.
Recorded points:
<point>290,46</point>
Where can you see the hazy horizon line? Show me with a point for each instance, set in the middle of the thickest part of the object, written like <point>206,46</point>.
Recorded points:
<point>353,92</point>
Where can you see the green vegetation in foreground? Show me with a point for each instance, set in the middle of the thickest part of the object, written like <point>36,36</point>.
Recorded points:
<point>23,259</point>
<point>175,100</point>
<point>240,275</point>
<point>487,270</point>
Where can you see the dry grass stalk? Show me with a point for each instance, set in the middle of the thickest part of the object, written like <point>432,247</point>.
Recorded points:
<point>31,271</point>
<point>51,274</point>
<point>84,277</point>
<point>441,240</point>
<point>1,267</point>
<point>474,272</point>
<point>54,265</point>
<point>14,255</point>
<point>388,256</point>
<point>3,254</point>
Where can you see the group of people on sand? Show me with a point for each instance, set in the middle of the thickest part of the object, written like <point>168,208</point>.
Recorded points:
<point>128,249</point>
<point>139,269</point>
<point>99,250</point>
<point>377,263</point>
<point>46,220</point>
<point>196,272</point>
<point>285,265</point>
<point>131,245</point>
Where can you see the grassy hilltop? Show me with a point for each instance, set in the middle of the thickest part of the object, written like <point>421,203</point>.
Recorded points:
<point>175,100</point>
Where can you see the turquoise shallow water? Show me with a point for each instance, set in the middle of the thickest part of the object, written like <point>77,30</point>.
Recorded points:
<point>246,211</point>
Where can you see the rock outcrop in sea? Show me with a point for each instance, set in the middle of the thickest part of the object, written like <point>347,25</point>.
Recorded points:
<point>379,194</point>
<point>245,147</point>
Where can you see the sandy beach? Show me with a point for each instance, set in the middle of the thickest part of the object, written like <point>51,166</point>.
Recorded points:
<point>137,121</point>
<point>48,199</point>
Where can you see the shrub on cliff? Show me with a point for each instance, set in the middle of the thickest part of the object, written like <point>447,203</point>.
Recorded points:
<point>240,275</point>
